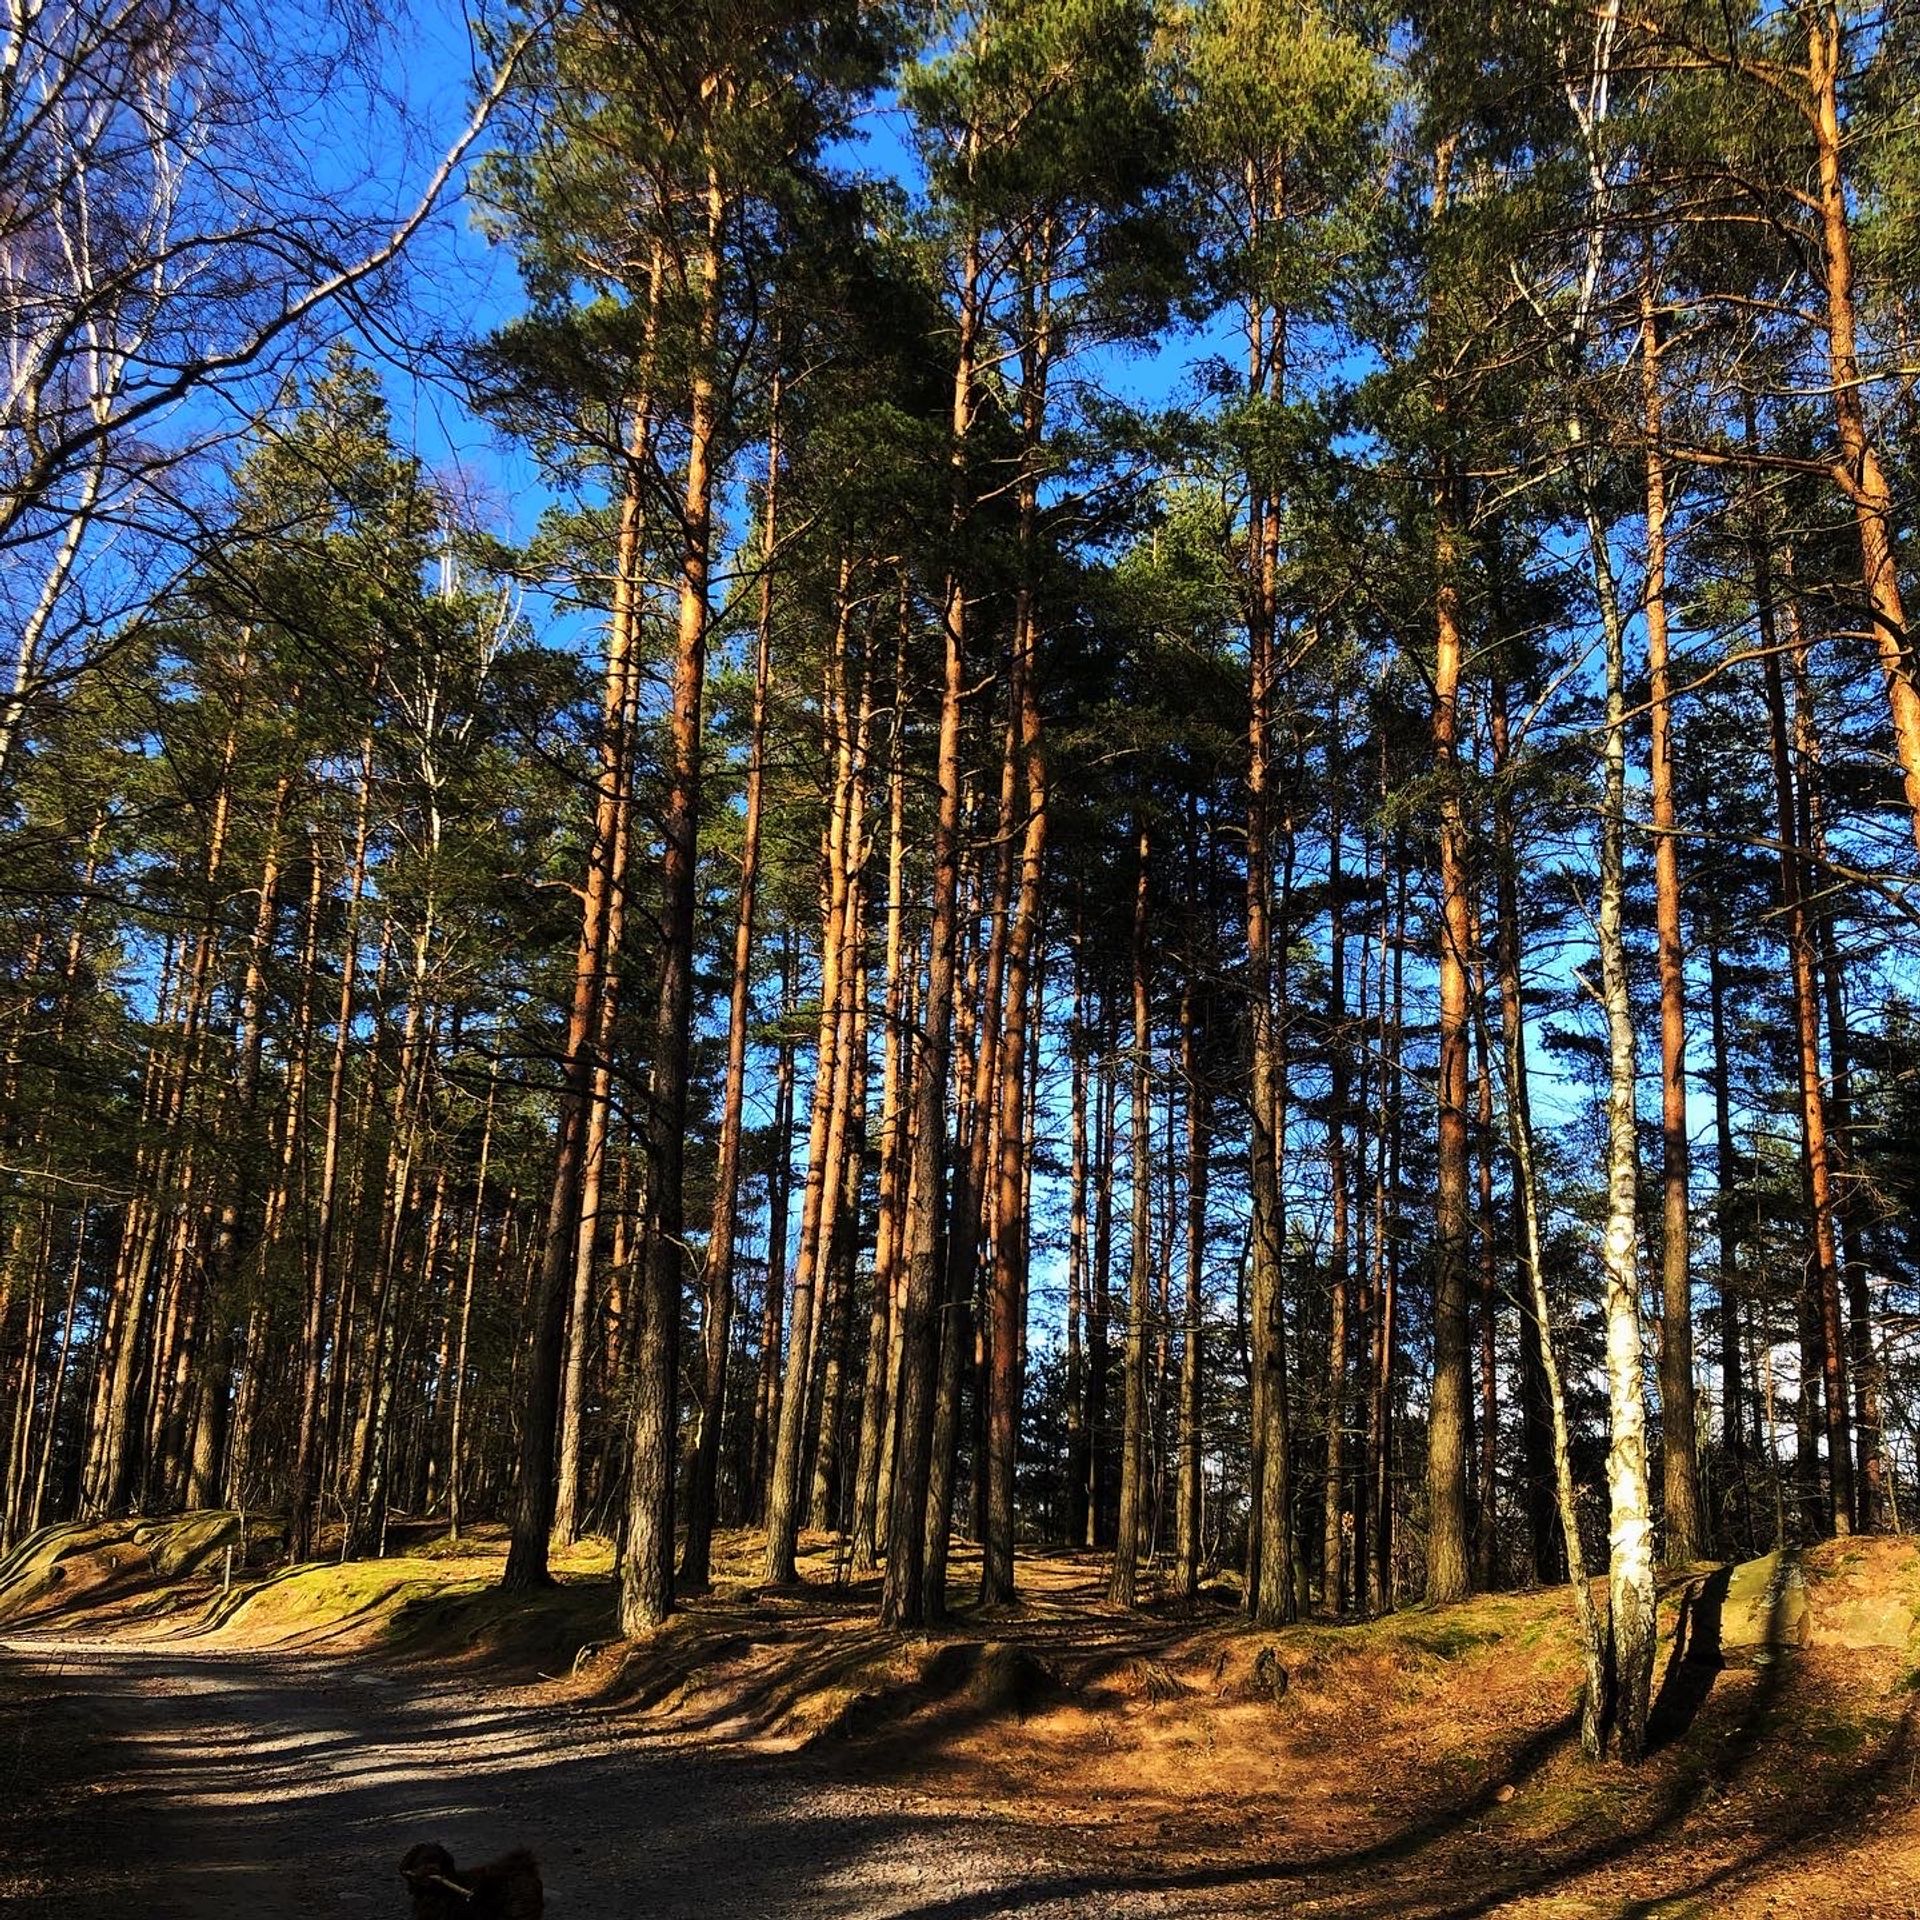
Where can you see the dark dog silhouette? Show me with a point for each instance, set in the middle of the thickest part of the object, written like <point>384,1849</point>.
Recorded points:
<point>504,1889</point>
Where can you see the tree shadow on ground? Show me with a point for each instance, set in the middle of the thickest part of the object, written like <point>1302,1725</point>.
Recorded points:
<point>1440,1866</point>
<point>239,1785</point>
<point>285,1785</point>
<point>1694,1662</point>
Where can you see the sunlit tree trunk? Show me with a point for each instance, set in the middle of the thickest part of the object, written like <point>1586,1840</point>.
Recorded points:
<point>1630,1589</point>
<point>1447,1566</point>
<point>1862,1365</point>
<point>125,1304</point>
<point>535,1487</point>
<point>1537,1326</point>
<point>277,1206</point>
<point>1685,1530</point>
<point>1859,471</point>
<point>969,1224</point>
<point>1448,1573</point>
<point>595,1126</point>
<point>832,1093</point>
<point>696,1555</point>
<point>646,1572</point>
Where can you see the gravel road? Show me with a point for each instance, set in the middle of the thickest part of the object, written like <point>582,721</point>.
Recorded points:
<point>216,1785</point>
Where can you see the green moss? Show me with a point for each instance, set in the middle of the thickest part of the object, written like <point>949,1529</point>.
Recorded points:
<point>1449,1639</point>
<point>314,1602</point>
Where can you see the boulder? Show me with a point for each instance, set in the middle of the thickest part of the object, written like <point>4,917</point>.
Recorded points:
<point>1765,1604</point>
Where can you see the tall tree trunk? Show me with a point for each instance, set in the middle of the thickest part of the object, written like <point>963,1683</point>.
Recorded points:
<point>1447,1564</point>
<point>1486,1537</point>
<point>1538,1315</point>
<point>1537,1429</point>
<point>1681,1468</point>
<point>1270,1577</point>
<point>696,1555</point>
<point>1100,1290</point>
<point>592,1176</point>
<point>1192,1490</point>
<point>179,1284</point>
<point>535,1484</point>
<point>976,1030</point>
<point>646,1571</point>
<point>970,1205</point>
<point>1630,1588</point>
<point>1007,1287</point>
<point>457,1418</point>
<point>19,1435</point>
<point>1863,1369</point>
<point>897,1294</point>
<point>879,1391</point>
<point>1334,1534</point>
<point>825,1505</point>
<point>1386,1192</point>
<point>1858,471</point>
<point>231,1223</point>
<point>832,1095</point>
<point>1733,1437</point>
<point>310,1437</point>
<point>1362,1291</point>
<point>1448,1574</point>
<point>288,1166</point>
<point>1122,1582</point>
<point>1823,1335</point>
<point>1079,1272</point>
<point>903,1601</point>
<point>766,1392</point>
<point>399,1203</point>
<point>37,1500</point>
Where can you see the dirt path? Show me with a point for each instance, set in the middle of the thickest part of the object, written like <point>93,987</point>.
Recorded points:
<point>220,1784</point>
<point>158,1783</point>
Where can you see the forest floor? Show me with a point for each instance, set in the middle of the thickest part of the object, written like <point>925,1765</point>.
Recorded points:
<point>173,1753</point>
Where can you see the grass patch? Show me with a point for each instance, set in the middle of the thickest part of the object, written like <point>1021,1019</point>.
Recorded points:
<point>1450,1639</point>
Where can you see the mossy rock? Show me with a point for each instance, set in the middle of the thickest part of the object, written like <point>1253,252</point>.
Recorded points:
<point>191,1542</point>
<point>78,1564</point>
<point>1765,1604</point>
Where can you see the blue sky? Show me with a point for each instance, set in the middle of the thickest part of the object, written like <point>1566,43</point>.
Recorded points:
<point>464,287</point>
